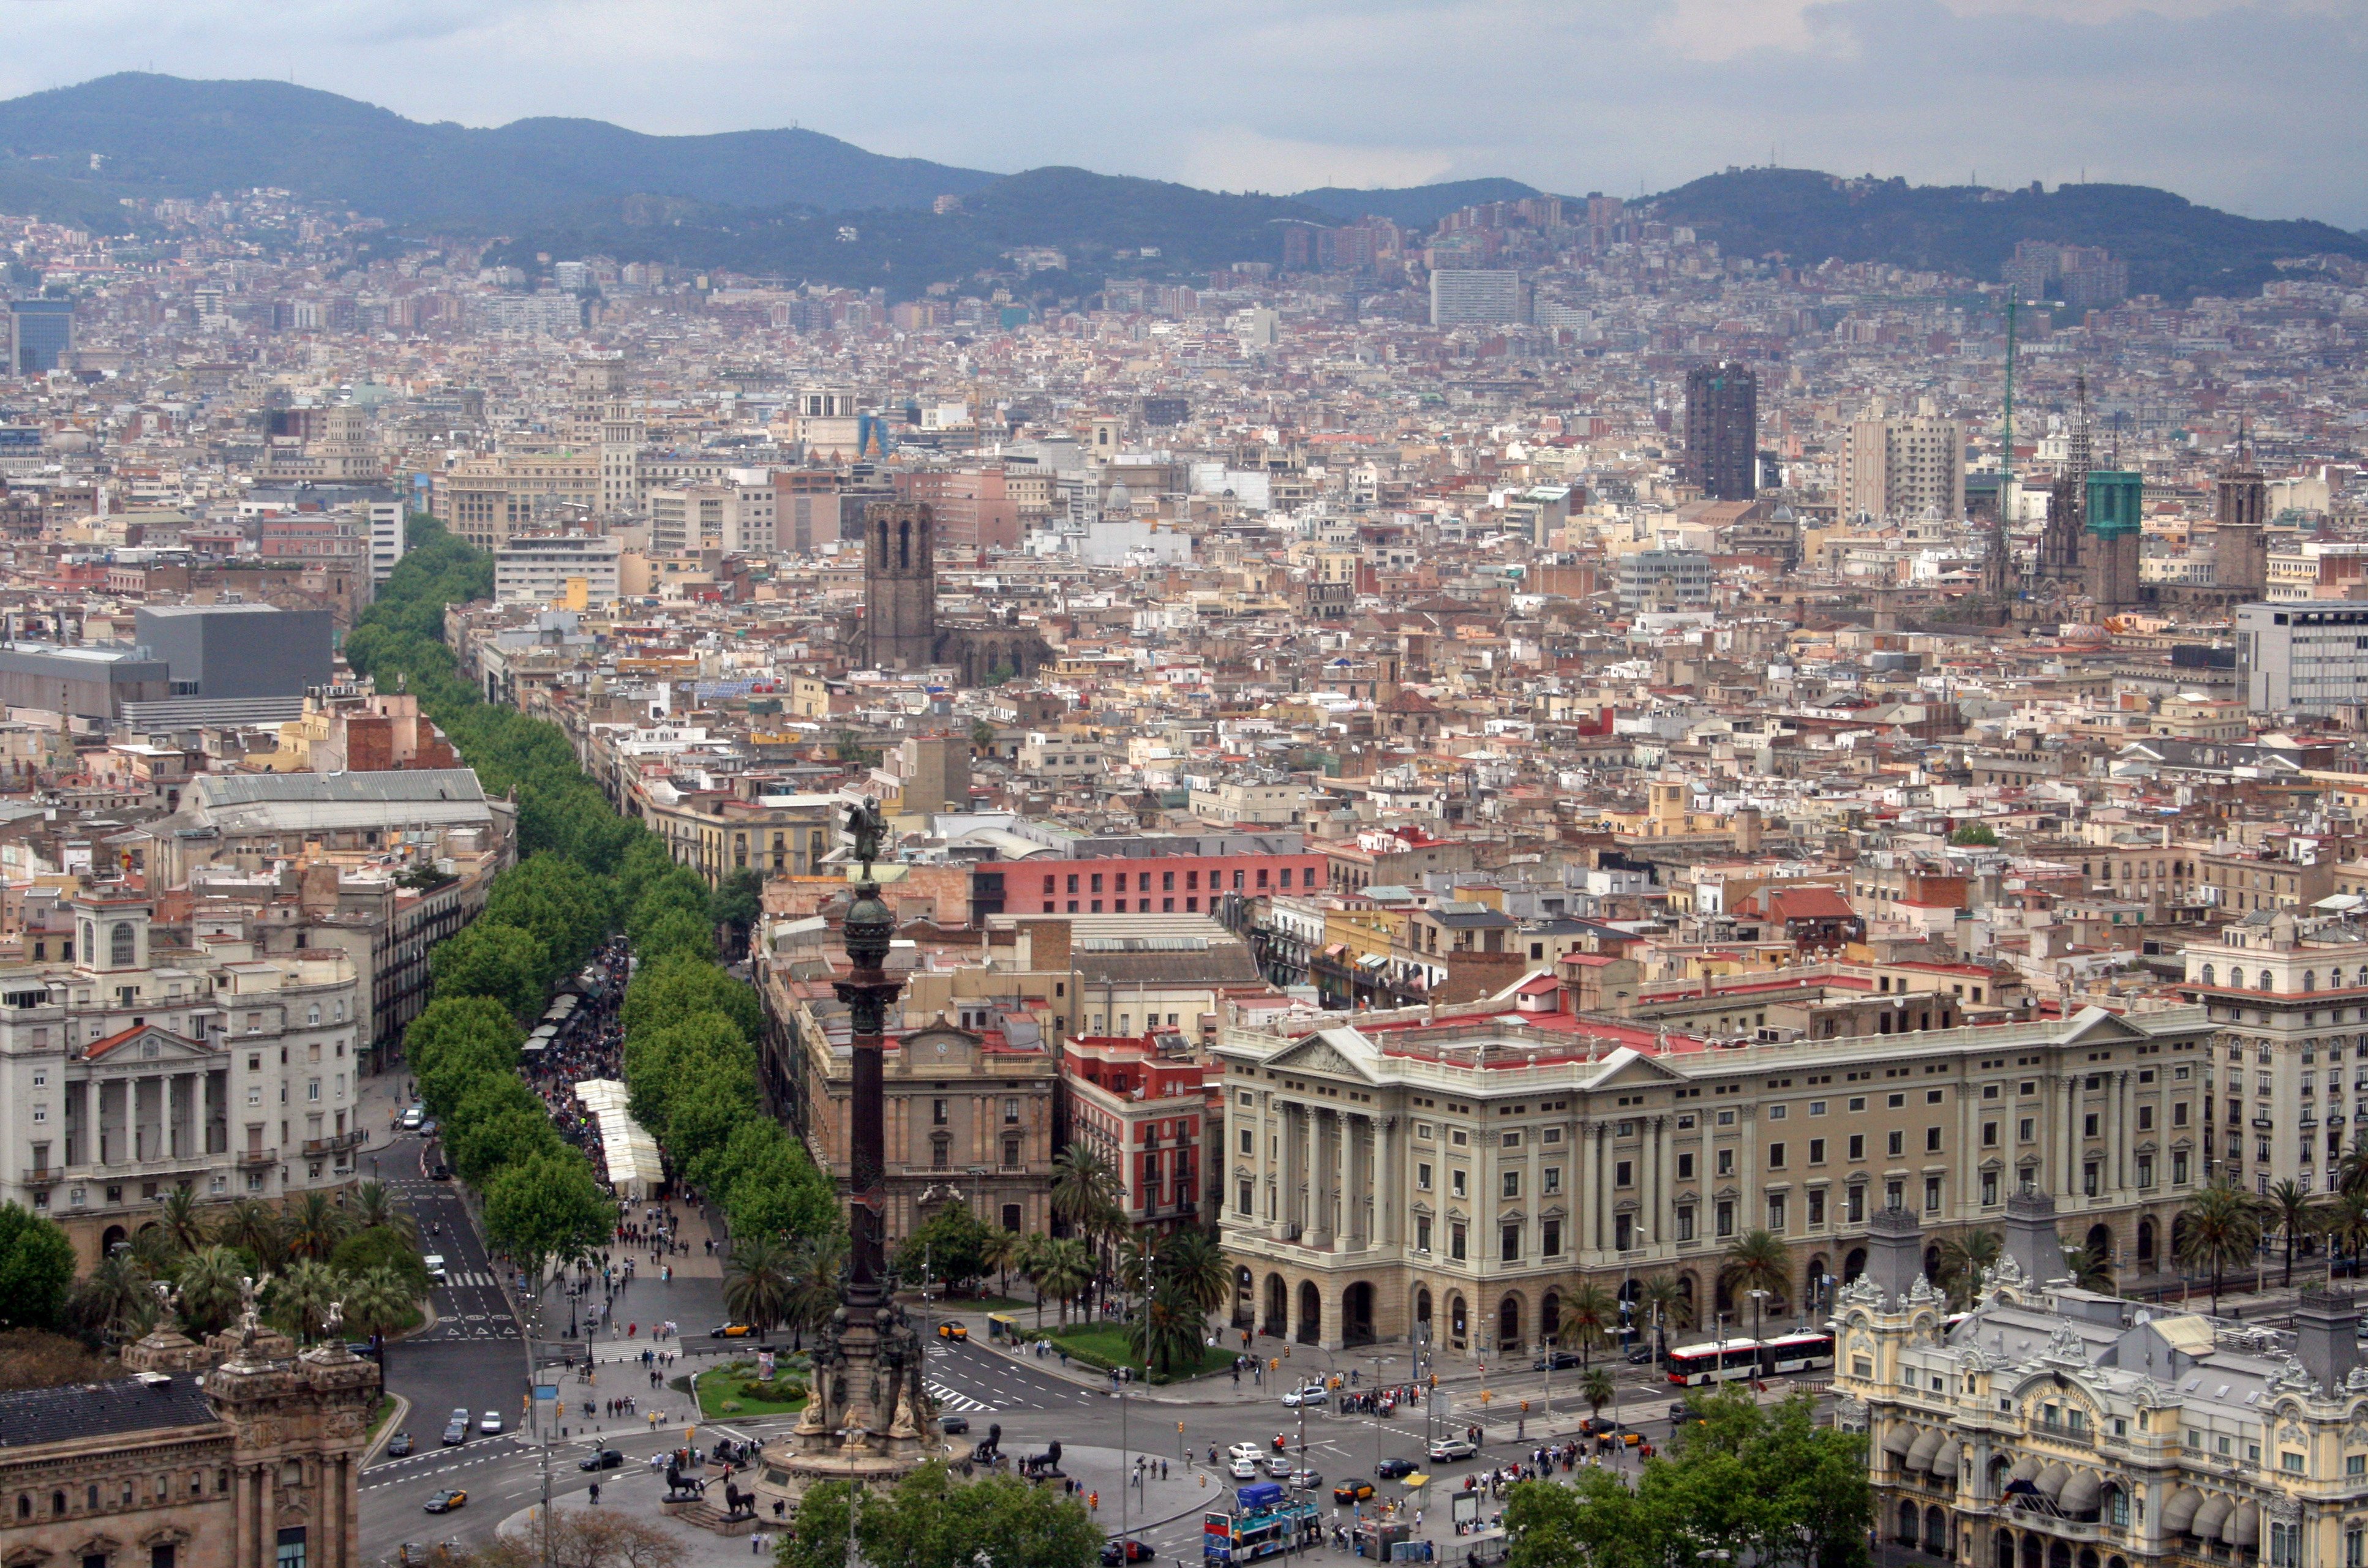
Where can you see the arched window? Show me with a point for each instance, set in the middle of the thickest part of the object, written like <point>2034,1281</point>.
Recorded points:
<point>883,541</point>
<point>904,543</point>
<point>2207,974</point>
<point>119,945</point>
<point>2310,980</point>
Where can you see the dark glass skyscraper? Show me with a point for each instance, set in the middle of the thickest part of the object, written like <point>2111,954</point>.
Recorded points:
<point>1723,431</point>
<point>40,331</point>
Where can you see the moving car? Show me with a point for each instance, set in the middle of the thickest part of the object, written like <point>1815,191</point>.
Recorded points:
<point>413,1117</point>
<point>1305,1394</point>
<point>1279,1465</point>
<point>1249,1452</point>
<point>954,1331</point>
<point>1242,1468</point>
<point>456,1431</point>
<point>730,1331</point>
<point>954,1425</point>
<point>1391,1469</point>
<point>1304,1480</point>
<point>428,1130</point>
<point>1597,1425</point>
<point>439,1171</point>
<point>490,1423</point>
<point>601,1459</point>
<point>1353,1490</point>
<point>435,1262</point>
<point>1448,1449</point>
<point>1117,1552</point>
<point>1680,1413</point>
<point>445,1502</point>
<point>1562,1359</point>
<point>1642,1355</point>
<point>398,1445</point>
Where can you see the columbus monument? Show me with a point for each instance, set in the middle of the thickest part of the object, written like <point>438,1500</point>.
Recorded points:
<point>867,1419</point>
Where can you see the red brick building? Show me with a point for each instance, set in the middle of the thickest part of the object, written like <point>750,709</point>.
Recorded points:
<point>1148,1109</point>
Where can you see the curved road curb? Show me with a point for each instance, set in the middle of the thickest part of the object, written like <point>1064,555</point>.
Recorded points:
<point>386,1433</point>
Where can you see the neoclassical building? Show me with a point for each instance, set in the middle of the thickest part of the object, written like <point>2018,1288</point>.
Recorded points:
<point>2055,1427</point>
<point>1469,1168</point>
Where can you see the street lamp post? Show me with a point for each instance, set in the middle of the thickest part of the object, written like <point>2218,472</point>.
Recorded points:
<point>1759,1300</point>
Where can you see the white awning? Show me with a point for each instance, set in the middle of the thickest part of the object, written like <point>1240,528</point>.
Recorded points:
<point>2244,1526</point>
<point>2051,1481</point>
<point>629,1153</point>
<point>2209,1518</point>
<point>1920,1455</point>
<point>2080,1493</point>
<point>2179,1512</point>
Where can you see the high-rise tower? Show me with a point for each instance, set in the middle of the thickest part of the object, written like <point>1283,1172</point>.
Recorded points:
<point>900,587</point>
<point>2114,530</point>
<point>1723,431</point>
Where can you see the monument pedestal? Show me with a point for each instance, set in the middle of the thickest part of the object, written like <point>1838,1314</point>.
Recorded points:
<point>867,1419</point>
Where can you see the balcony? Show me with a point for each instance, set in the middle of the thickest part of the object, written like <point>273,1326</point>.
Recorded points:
<point>40,1176</point>
<point>256,1159</point>
<point>338,1143</point>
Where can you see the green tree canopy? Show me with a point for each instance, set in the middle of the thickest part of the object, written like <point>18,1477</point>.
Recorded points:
<point>37,1270</point>
<point>547,1208</point>
<point>483,958</point>
<point>1975,832</point>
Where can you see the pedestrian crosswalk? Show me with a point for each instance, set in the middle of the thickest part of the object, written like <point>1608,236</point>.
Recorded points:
<point>948,1400</point>
<point>471,1277</point>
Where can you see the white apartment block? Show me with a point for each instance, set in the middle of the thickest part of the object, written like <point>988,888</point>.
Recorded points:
<point>2294,660</point>
<point>126,1073</point>
<point>542,569</point>
<point>1903,468</point>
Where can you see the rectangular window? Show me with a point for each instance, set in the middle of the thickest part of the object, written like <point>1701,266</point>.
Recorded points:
<point>1776,1213</point>
<point>1857,1211</point>
<point>1422,1179</point>
<point>1989,1187</point>
<point>937,1114</point>
<point>1857,1145</point>
<point>292,1548</point>
<point>1816,1207</point>
<point>1422,1233</point>
<point>1456,1246</point>
<point>1510,1181</point>
<point>1775,1156</point>
<point>1509,1243</point>
<point>1816,1151</point>
<point>1243,1206</point>
<point>1931,1139</point>
<point>1931,1195</point>
<point>1249,1144</point>
<point>1685,1167</point>
<point>1623,1172</point>
<point>1725,1216</point>
<point>1552,1180</point>
<point>1896,1143</point>
<point>1457,1183</point>
<point>1685,1222</point>
<point>1550,1236</point>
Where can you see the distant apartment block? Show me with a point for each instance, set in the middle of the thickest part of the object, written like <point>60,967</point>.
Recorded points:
<point>1461,296</point>
<point>1903,468</point>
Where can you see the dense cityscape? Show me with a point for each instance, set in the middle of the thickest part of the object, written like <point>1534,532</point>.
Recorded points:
<point>1494,886</point>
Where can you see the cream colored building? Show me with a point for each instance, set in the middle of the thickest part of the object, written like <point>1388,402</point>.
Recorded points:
<point>1903,468</point>
<point>1472,1167</point>
<point>2055,1427</point>
<point>485,500</point>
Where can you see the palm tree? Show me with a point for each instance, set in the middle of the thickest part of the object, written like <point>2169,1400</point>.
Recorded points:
<point>2292,1212</point>
<point>1668,1305</point>
<point>1067,1271</point>
<point>1598,1389</point>
<point>1196,1266</point>
<point>2089,1270</point>
<point>1757,1261</point>
<point>758,1282</point>
<point>209,1284</point>
<point>108,1299</point>
<point>2347,1223</point>
<point>181,1221</point>
<point>1138,1260</point>
<point>1167,1334</point>
<point>1589,1313</point>
<point>374,1209</point>
<point>998,1250</point>
<point>377,1301</point>
<point>253,1227</point>
<point>814,1264</point>
<point>2351,1171</point>
<point>301,1298</point>
<point>1963,1259</point>
<point>153,1246</point>
<point>2222,1226</point>
<point>1030,1260</point>
<point>1083,1188</point>
<point>314,1227</point>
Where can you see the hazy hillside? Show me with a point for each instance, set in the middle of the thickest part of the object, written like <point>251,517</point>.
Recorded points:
<point>162,136</point>
<point>1415,206</point>
<point>2174,247</point>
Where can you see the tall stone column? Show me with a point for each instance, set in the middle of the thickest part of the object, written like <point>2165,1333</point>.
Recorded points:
<point>2068,1183</point>
<point>1386,1182</point>
<point>1322,1176</point>
<point>1288,1121</point>
<point>1357,1193</point>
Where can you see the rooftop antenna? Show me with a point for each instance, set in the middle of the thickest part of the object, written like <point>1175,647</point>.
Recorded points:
<point>2076,451</point>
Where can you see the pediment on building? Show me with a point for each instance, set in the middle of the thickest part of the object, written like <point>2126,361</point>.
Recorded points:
<point>1628,1068</point>
<point>2094,1026</point>
<point>1343,1052</point>
<point>148,1042</point>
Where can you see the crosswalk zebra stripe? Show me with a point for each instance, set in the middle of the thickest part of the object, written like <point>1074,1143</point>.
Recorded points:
<point>952,1401</point>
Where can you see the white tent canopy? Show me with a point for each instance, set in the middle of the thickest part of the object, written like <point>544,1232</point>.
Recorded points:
<point>631,1154</point>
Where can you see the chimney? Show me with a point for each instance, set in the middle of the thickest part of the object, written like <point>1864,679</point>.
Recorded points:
<point>1895,1252</point>
<point>2327,1329</point>
<point>2031,1238</point>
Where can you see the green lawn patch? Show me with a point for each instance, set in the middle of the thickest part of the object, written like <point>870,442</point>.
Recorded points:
<point>735,1390</point>
<point>1104,1346</point>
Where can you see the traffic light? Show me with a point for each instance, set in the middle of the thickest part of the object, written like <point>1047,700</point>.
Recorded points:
<point>1525,1407</point>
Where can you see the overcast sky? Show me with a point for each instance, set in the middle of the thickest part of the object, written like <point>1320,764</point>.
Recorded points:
<point>2251,107</point>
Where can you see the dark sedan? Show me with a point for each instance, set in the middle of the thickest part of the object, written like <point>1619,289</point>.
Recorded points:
<point>1391,1469</point>
<point>606,1459</point>
<point>1562,1359</point>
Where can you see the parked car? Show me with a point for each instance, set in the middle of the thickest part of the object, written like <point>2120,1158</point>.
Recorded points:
<point>1562,1359</point>
<point>413,1117</point>
<point>730,1331</point>
<point>1353,1490</point>
<point>954,1425</point>
<point>428,1130</point>
<point>1391,1469</point>
<point>439,1171</point>
<point>490,1423</point>
<point>1641,1356</point>
<point>1680,1413</point>
<point>954,1331</point>
<point>600,1459</point>
<point>1115,1553</point>
<point>398,1445</point>
<point>445,1502</point>
<point>1448,1449</point>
